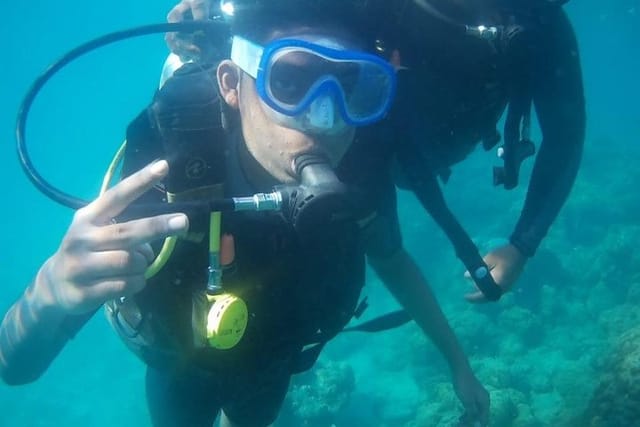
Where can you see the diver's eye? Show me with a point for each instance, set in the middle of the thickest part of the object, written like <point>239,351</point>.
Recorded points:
<point>286,90</point>
<point>289,83</point>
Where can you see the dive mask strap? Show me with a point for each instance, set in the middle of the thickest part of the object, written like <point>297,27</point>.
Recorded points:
<point>246,55</point>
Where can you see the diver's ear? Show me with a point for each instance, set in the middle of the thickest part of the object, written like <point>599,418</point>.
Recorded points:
<point>229,81</point>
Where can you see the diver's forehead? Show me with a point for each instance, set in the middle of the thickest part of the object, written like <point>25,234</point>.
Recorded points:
<point>340,37</point>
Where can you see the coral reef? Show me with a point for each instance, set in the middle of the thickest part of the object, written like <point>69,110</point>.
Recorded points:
<point>615,400</point>
<point>317,398</point>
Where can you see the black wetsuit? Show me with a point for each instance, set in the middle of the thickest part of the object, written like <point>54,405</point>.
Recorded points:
<point>453,89</point>
<point>298,292</point>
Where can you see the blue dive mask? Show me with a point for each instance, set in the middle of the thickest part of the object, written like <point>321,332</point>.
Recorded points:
<point>306,83</point>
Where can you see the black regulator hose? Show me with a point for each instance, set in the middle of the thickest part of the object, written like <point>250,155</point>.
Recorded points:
<point>27,165</point>
<point>320,199</point>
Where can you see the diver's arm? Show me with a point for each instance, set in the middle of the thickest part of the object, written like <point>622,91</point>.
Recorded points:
<point>405,281</point>
<point>98,260</point>
<point>33,332</point>
<point>559,102</point>
<point>400,274</point>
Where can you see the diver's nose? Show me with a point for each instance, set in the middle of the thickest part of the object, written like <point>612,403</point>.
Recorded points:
<point>322,113</point>
<point>323,118</point>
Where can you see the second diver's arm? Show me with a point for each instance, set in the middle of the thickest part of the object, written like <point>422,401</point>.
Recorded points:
<point>367,166</point>
<point>560,106</point>
<point>405,281</point>
<point>402,276</point>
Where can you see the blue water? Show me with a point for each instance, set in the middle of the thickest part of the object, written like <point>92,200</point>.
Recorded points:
<point>562,347</point>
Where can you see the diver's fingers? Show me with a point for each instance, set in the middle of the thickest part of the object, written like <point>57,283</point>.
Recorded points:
<point>175,15</point>
<point>200,9</point>
<point>185,49</point>
<point>473,297</point>
<point>476,297</point>
<point>178,12</point>
<point>105,265</point>
<point>484,418</point>
<point>116,287</point>
<point>146,251</point>
<point>481,415</point>
<point>136,232</point>
<point>116,199</point>
<point>475,413</point>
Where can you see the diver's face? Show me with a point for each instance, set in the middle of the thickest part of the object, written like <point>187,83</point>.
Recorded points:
<point>274,145</point>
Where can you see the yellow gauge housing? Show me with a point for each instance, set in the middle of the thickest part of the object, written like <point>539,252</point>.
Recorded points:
<point>227,321</point>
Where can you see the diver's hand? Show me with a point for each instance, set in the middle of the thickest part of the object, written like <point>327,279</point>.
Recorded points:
<point>99,260</point>
<point>198,10</point>
<point>505,264</point>
<point>474,398</point>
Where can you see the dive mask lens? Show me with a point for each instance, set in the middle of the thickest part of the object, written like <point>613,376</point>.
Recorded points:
<point>291,74</point>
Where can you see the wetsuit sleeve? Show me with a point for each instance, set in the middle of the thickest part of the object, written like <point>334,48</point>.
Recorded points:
<point>558,99</point>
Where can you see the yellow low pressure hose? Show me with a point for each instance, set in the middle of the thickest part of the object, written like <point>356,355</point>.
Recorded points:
<point>168,244</point>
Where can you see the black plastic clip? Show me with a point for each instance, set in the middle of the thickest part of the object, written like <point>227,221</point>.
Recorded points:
<point>513,155</point>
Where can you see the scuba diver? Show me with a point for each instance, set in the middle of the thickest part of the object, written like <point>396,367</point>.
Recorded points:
<point>510,55</point>
<point>228,264</point>
<point>461,65</point>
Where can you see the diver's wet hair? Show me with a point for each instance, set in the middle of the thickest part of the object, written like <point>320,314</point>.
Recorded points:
<point>257,19</point>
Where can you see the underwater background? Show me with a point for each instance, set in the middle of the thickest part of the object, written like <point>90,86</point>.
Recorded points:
<point>562,350</point>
